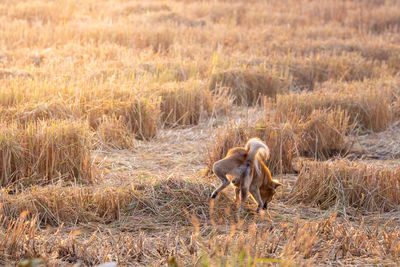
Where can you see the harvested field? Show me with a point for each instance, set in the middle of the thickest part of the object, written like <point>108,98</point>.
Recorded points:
<point>113,113</point>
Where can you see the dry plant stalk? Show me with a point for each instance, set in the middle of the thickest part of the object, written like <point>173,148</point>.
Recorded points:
<point>55,110</point>
<point>17,237</point>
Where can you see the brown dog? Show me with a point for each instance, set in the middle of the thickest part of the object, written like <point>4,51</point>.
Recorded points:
<point>247,167</point>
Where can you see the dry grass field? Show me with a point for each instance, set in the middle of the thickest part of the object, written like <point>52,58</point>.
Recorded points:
<point>113,112</point>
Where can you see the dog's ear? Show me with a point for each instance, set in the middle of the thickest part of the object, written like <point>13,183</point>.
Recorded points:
<point>275,183</point>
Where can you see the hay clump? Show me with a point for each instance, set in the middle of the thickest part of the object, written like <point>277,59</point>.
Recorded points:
<point>370,109</point>
<point>54,110</point>
<point>345,184</point>
<point>323,134</point>
<point>45,152</point>
<point>113,133</point>
<point>54,204</point>
<point>317,69</point>
<point>140,115</point>
<point>248,86</point>
<point>189,103</point>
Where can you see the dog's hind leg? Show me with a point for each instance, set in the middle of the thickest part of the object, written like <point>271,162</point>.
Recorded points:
<point>237,192</point>
<point>219,171</point>
<point>255,191</point>
<point>244,170</point>
<point>244,188</point>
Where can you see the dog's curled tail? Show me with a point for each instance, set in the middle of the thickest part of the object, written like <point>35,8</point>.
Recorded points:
<point>254,146</point>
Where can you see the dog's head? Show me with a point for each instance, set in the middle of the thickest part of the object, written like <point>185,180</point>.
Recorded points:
<point>268,191</point>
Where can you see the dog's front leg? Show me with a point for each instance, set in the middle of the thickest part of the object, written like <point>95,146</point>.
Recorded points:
<point>255,191</point>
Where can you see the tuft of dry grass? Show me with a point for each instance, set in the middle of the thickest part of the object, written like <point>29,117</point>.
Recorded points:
<point>248,86</point>
<point>369,108</point>
<point>7,73</point>
<point>55,110</point>
<point>323,134</point>
<point>139,115</point>
<point>381,20</point>
<point>113,133</point>
<point>189,103</point>
<point>160,40</point>
<point>347,185</point>
<point>17,237</point>
<point>41,12</point>
<point>320,68</point>
<point>134,9</point>
<point>45,152</point>
<point>77,204</point>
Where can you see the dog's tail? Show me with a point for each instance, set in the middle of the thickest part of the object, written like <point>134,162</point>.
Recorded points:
<point>255,146</point>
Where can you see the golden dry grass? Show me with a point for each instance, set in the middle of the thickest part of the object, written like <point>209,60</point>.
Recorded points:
<point>45,152</point>
<point>113,133</point>
<point>248,86</point>
<point>189,103</point>
<point>369,104</point>
<point>111,110</point>
<point>136,206</point>
<point>348,185</point>
<point>320,135</point>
